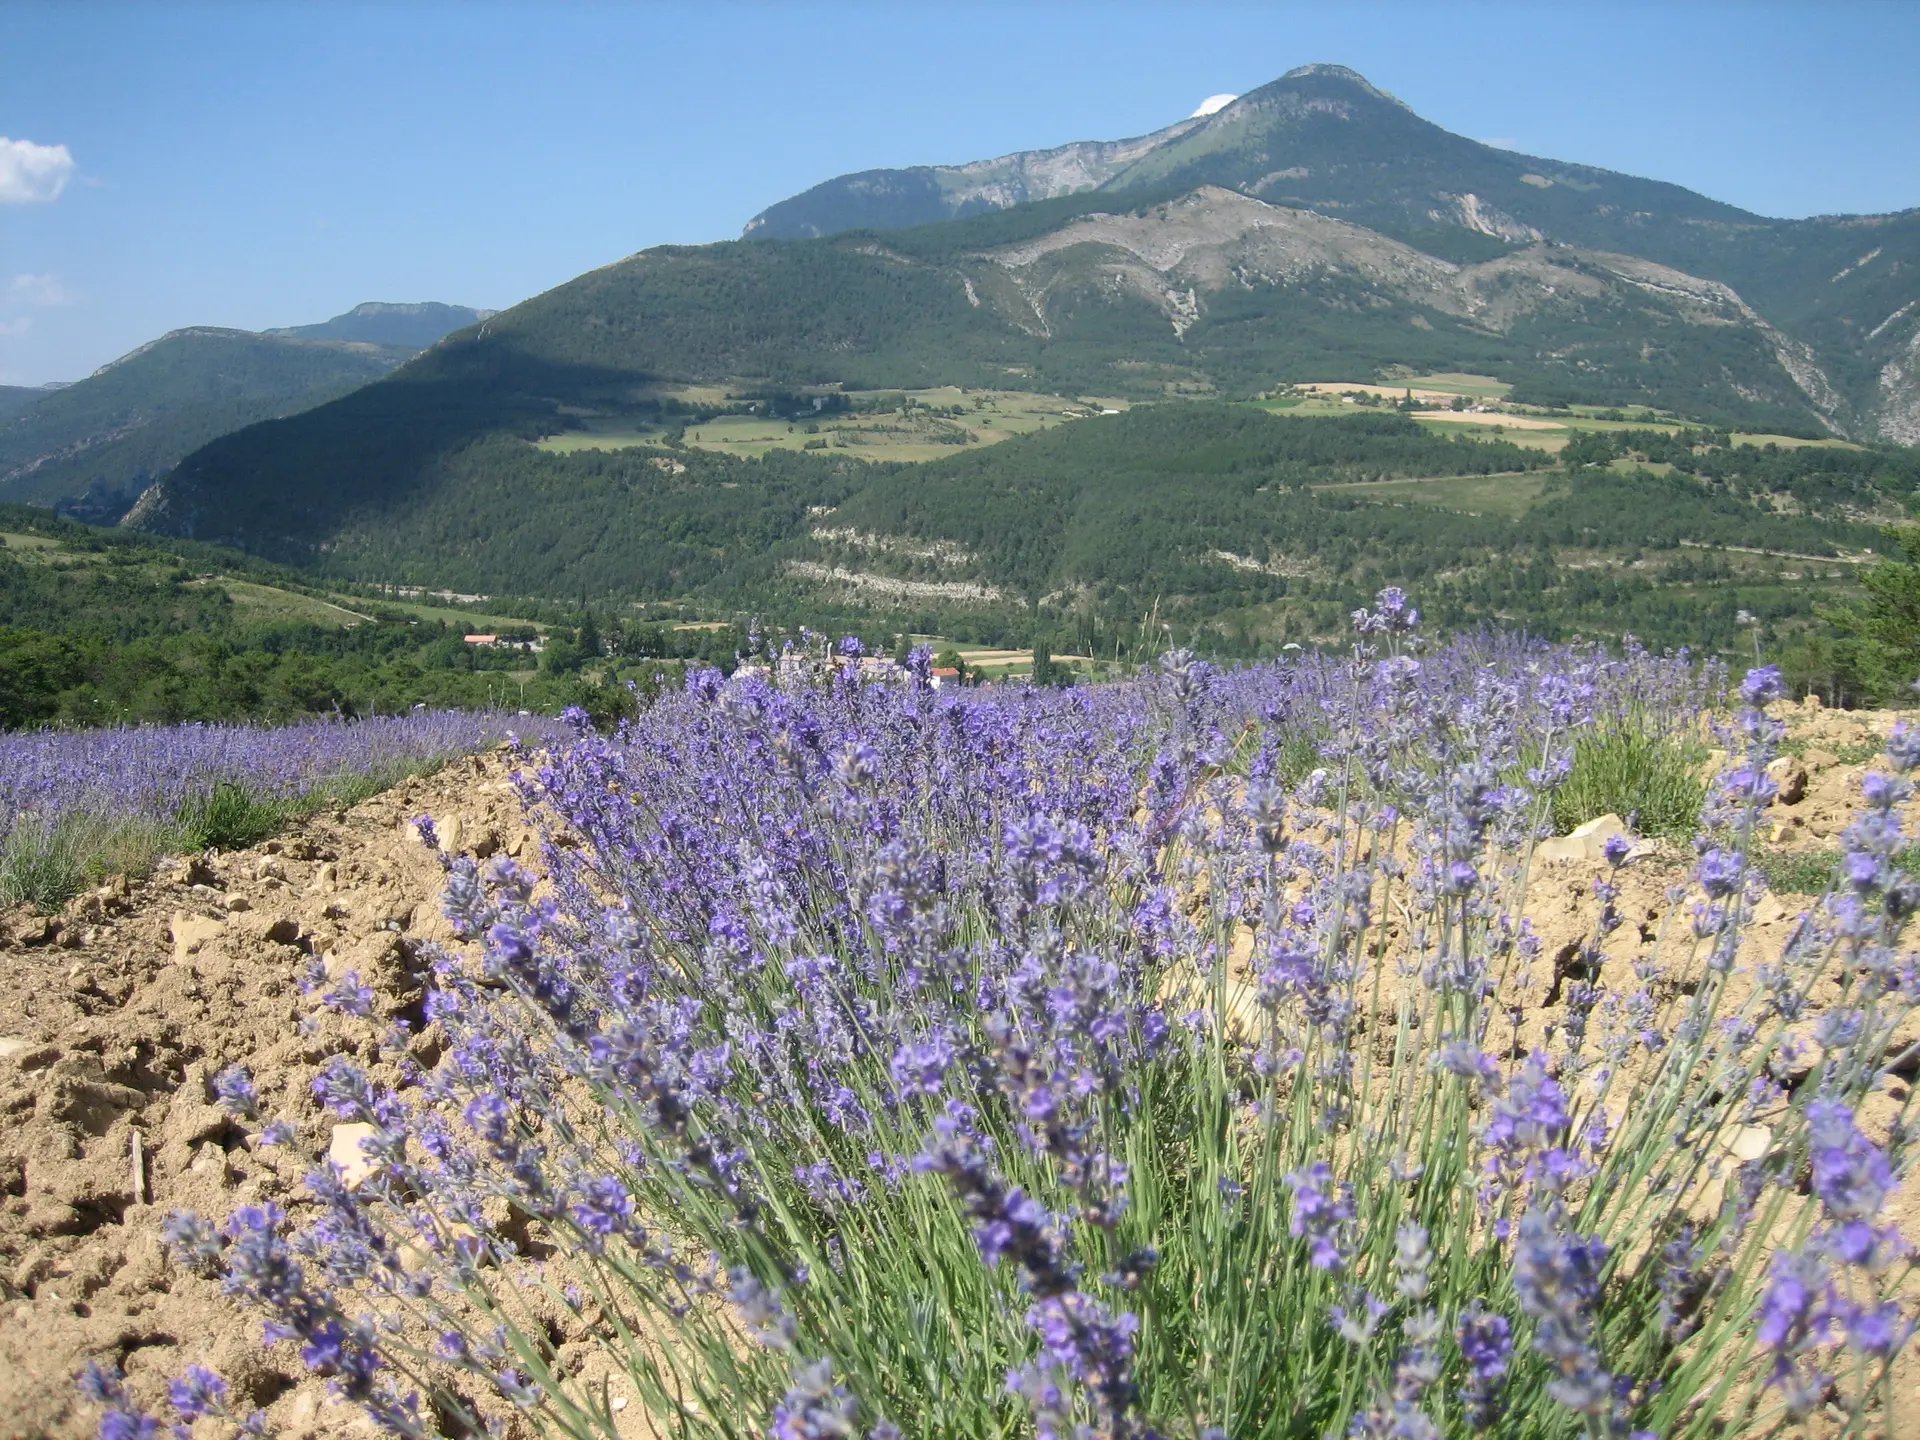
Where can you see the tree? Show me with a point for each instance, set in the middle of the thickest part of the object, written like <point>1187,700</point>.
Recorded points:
<point>1043,667</point>
<point>1880,640</point>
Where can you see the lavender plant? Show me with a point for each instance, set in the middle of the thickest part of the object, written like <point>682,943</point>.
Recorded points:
<point>880,1061</point>
<point>75,805</point>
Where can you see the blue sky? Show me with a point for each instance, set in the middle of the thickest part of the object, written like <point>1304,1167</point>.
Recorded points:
<point>272,164</point>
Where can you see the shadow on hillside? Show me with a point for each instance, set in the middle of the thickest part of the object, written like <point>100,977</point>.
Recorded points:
<point>285,488</point>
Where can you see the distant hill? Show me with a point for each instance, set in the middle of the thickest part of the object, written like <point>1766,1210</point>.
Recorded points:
<point>378,322</point>
<point>1216,518</point>
<point>1211,290</point>
<point>94,445</point>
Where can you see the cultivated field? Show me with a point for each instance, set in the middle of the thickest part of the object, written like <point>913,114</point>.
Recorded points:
<point>924,429</point>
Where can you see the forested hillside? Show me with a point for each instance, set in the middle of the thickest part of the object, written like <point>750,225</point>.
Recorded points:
<point>1260,530</point>
<point>109,436</point>
<point>1210,292</point>
<point>1230,523</point>
<point>102,627</point>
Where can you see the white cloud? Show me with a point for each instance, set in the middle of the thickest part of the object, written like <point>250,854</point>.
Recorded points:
<point>32,174</point>
<point>1502,144</point>
<point>34,292</point>
<point>1212,105</point>
<point>16,327</point>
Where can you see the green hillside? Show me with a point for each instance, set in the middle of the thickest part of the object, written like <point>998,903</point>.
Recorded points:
<point>1042,300</point>
<point>106,627</point>
<point>130,422</point>
<point>1228,522</point>
<point>15,398</point>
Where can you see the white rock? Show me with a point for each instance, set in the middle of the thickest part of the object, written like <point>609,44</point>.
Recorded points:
<point>1746,1142</point>
<point>343,1149</point>
<point>191,932</point>
<point>1586,843</point>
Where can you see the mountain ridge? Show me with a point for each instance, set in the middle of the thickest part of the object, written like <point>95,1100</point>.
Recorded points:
<point>408,324</point>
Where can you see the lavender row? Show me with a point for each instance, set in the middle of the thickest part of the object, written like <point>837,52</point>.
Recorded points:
<point>151,774</point>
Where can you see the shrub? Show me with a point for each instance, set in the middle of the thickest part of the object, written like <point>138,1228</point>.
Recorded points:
<point>44,865</point>
<point>1797,872</point>
<point>1648,779</point>
<point>230,817</point>
<point>874,1064</point>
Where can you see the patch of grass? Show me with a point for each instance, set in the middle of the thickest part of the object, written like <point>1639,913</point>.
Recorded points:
<point>45,866</point>
<point>1649,780</point>
<point>1858,753</point>
<point>1299,754</point>
<point>231,817</point>
<point>1810,872</point>
<point>1796,872</point>
<point>273,603</point>
<point>1475,494</point>
<point>1474,387</point>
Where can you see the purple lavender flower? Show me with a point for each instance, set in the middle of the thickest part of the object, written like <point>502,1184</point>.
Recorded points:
<point>603,1209</point>
<point>1796,1311</point>
<point>1323,1213</point>
<point>1486,1344</point>
<point>193,1242</point>
<point>350,996</point>
<point>198,1392</point>
<point>128,1425</point>
<point>1762,685</point>
<point>233,1087</point>
<point>1557,1279</point>
<point>815,1407</point>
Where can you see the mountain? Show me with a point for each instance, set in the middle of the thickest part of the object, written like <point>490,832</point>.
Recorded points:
<point>928,194</point>
<point>133,419</point>
<point>1168,279</point>
<point>109,436</point>
<point>1322,138</point>
<point>378,322</point>
<point>1213,290</point>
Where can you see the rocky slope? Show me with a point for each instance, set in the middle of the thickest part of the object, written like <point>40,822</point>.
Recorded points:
<point>117,1014</point>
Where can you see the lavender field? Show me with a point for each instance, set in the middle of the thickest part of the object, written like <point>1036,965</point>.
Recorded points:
<point>1169,1058</point>
<point>78,805</point>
